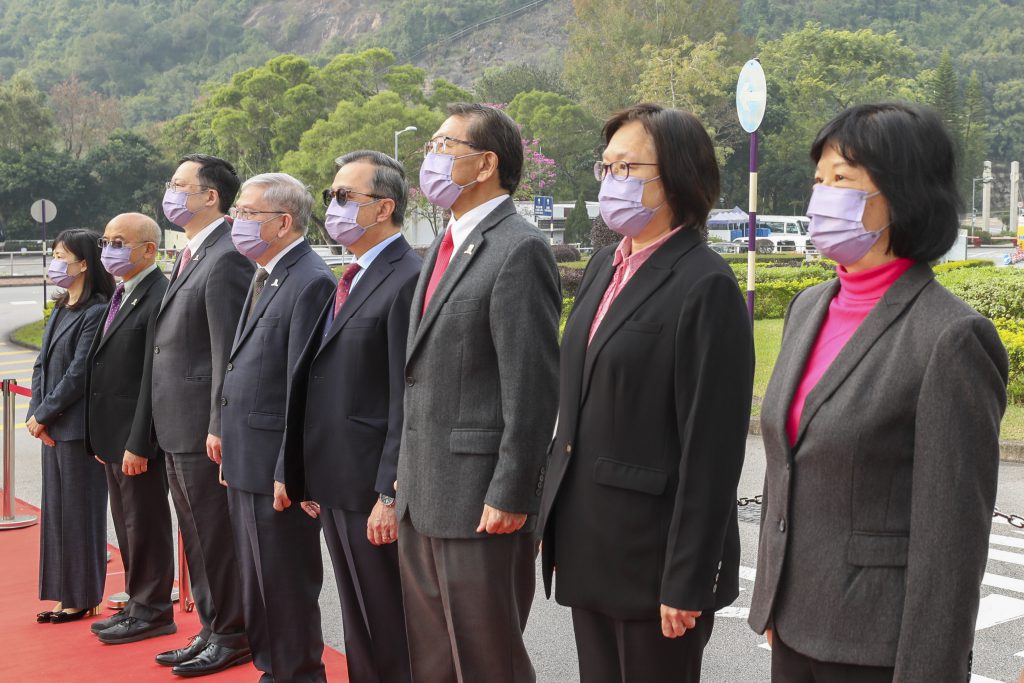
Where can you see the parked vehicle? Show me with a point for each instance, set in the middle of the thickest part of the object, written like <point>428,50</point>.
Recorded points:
<point>780,234</point>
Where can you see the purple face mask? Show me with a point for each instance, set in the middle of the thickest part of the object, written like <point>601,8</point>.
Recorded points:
<point>836,225</point>
<point>118,262</point>
<point>175,207</point>
<point>58,273</point>
<point>436,179</point>
<point>247,238</point>
<point>341,224</point>
<point>622,207</point>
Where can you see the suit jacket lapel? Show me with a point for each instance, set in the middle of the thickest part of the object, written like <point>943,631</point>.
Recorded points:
<point>276,278</point>
<point>127,306</point>
<point>178,281</point>
<point>457,267</point>
<point>644,282</point>
<point>63,323</point>
<point>893,303</point>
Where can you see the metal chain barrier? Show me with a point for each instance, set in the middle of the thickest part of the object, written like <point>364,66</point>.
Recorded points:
<point>1012,520</point>
<point>744,502</point>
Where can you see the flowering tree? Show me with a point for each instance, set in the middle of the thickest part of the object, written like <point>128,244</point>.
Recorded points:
<point>538,171</point>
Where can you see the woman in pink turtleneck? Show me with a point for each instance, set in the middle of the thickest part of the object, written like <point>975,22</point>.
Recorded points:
<point>880,424</point>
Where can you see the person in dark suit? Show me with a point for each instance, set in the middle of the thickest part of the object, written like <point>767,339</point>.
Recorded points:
<point>73,547</point>
<point>192,335</point>
<point>278,552</point>
<point>880,423</point>
<point>118,431</point>
<point>343,436</point>
<point>638,515</point>
<point>480,402</point>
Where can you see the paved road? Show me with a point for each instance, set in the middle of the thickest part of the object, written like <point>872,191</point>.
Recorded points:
<point>734,654</point>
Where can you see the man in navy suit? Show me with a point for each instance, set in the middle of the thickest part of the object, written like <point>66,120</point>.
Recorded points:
<point>278,551</point>
<point>345,412</point>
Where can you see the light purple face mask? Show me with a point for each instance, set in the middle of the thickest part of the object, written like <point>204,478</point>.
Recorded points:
<point>118,262</point>
<point>436,179</point>
<point>247,238</point>
<point>176,208</point>
<point>836,227</point>
<point>622,207</point>
<point>341,224</point>
<point>58,273</point>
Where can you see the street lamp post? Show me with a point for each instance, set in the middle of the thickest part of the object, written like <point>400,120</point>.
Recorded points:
<point>407,129</point>
<point>974,211</point>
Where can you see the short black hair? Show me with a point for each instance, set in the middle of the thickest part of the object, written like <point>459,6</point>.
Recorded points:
<point>217,174</point>
<point>98,284</point>
<point>911,157</point>
<point>493,130</point>
<point>686,159</point>
<point>388,178</point>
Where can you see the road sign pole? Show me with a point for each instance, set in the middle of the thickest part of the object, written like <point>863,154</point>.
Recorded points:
<point>752,225</point>
<point>43,209</point>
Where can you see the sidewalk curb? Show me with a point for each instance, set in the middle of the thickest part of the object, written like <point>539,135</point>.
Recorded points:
<point>29,347</point>
<point>1009,451</point>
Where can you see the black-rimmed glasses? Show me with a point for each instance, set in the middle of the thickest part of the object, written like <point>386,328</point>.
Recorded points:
<point>618,169</point>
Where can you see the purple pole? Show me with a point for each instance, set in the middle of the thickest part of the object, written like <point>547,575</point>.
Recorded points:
<point>43,209</point>
<point>752,226</point>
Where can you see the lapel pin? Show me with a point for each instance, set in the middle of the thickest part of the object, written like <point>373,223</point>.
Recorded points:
<point>469,250</point>
<point>135,301</point>
<point>274,283</point>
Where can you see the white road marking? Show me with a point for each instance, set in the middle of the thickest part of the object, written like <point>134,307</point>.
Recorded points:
<point>998,609</point>
<point>1009,541</point>
<point>1004,582</point>
<point>733,612</point>
<point>1005,556</point>
<point>747,573</point>
<point>975,678</point>
<point>23,303</point>
<point>1020,654</point>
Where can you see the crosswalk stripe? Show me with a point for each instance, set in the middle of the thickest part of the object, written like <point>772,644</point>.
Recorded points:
<point>975,678</point>
<point>1005,556</point>
<point>998,609</point>
<point>1007,541</point>
<point>1004,582</point>
<point>733,612</point>
<point>748,573</point>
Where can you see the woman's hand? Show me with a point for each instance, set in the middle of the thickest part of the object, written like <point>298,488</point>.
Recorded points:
<point>675,622</point>
<point>768,634</point>
<point>33,427</point>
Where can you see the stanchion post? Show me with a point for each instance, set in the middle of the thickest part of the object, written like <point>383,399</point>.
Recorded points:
<point>9,519</point>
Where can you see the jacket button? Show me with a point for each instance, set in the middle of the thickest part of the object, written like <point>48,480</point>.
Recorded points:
<point>568,449</point>
<point>409,381</point>
<point>230,367</point>
<point>782,525</point>
<point>156,349</point>
<point>223,401</point>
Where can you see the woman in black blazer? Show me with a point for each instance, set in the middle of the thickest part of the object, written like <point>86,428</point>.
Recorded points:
<point>72,560</point>
<point>880,423</point>
<point>638,513</point>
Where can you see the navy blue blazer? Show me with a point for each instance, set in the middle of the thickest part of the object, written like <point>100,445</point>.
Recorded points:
<point>345,412</point>
<point>259,371</point>
<point>58,376</point>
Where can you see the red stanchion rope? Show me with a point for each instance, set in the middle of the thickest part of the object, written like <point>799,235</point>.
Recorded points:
<point>24,391</point>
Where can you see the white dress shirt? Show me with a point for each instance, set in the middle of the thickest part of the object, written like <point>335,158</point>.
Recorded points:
<point>469,220</point>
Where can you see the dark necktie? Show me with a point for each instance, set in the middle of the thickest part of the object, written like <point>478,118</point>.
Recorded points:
<point>115,306</point>
<point>344,287</point>
<point>444,257</point>
<point>186,256</point>
<point>257,288</point>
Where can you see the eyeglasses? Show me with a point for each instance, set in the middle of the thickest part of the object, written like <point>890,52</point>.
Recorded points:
<point>618,169</point>
<point>341,195</point>
<point>441,142</point>
<point>103,242</point>
<point>248,214</point>
<point>183,187</point>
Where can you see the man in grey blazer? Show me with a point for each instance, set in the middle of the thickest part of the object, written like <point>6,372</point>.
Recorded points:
<point>278,552</point>
<point>192,334</point>
<point>480,404</point>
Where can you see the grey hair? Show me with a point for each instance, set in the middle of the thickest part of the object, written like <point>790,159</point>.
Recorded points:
<point>287,194</point>
<point>388,178</point>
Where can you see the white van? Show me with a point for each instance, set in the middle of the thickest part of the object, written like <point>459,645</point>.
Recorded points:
<point>786,233</point>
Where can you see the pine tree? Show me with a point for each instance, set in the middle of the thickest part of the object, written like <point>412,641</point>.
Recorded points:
<point>974,134</point>
<point>601,235</point>
<point>944,95</point>
<point>577,225</point>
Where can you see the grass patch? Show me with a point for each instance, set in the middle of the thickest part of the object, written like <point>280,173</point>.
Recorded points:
<point>30,335</point>
<point>1013,423</point>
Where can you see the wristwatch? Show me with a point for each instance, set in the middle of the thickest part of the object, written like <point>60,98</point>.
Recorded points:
<point>387,501</point>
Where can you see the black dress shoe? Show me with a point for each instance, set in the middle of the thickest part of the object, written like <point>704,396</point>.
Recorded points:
<point>213,659</point>
<point>132,629</point>
<point>63,617</point>
<point>114,619</point>
<point>181,655</point>
<point>44,617</point>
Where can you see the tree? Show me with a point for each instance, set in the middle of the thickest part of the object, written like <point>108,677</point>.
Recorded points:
<point>85,119</point>
<point>578,225</point>
<point>944,94</point>
<point>973,134</point>
<point>28,175</point>
<point>504,83</point>
<point>601,235</point>
<point>131,172</point>
<point>538,172</point>
<point>25,121</point>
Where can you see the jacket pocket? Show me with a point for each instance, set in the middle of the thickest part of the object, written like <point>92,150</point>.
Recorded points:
<point>267,322</point>
<point>460,306</point>
<point>625,475</point>
<point>641,326</point>
<point>380,425</point>
<point>475,441</point>
<point>877,550</point>
<point>269,421</point>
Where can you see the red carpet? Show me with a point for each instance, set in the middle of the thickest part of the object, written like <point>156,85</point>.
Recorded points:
<point>70,653</point>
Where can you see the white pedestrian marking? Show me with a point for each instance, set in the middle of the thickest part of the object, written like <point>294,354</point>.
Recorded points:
<point>1004,582</point>
<point>748,573</point>
<point>23,303</point>
<point>1008,541</point>
<point>1006,556</point>
<point>998,609</point>
<point>733,612</point>
<point>1020,654</point>
<point>975,678</point>
<point>765,646</point>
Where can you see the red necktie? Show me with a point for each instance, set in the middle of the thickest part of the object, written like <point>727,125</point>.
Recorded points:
<point>344,286</point>
<point>186,256</point>
<point>444,257</point>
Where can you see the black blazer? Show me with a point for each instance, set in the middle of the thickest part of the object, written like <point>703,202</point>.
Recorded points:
<point>118,413</point>
<point>58,376</point>
<point>259,370</point>
<point>345,412</point>
<point>639,506</point>
<point>875,524</point>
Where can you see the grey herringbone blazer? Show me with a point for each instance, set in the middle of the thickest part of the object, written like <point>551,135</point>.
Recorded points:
<point>874,531</point>
<point>481,380</point>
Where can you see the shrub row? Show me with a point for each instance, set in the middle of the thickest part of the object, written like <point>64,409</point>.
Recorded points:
<point>958,265</point>
<point>1011,332</point>
<point>565,253</point>
<point>784,259</point>
<point>993,292</point>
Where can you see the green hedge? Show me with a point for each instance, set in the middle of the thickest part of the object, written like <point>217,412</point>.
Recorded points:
<point>993,292</point>
<point>958,265</point>
<point>784,259</point>
<point>567,303</point>
<point>1012,334</point>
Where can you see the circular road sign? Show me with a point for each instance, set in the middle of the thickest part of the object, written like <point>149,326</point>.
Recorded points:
<point>751,96</point>
<point>38,207</point>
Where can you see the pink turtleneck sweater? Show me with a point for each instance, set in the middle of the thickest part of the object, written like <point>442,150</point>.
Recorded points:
<point>858,294</point>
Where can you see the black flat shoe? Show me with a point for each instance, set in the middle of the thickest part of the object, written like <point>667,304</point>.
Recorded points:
<point>63,617</point>
<point>212,659</point>
<point>113,620</point>
<point>44,617</point>
<point>182,655</point>
<point>134,629</point>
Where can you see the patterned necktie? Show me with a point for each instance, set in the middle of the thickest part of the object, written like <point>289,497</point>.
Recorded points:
<point>444,257</point>
<point>344,287</point>
<point>115,306</point>
<point>257,288</point>
<point>186,256</point>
